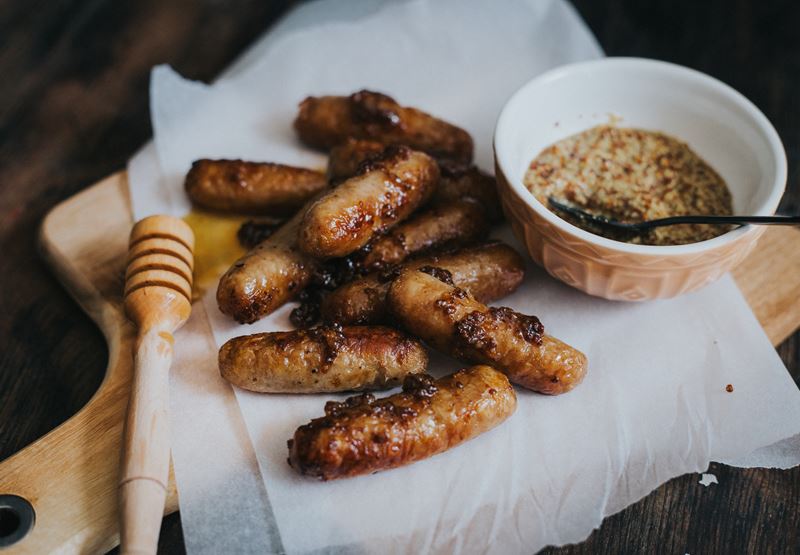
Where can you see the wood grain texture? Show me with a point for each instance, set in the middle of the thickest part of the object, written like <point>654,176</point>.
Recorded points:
<point>71,474</point>
<point>73,108</point>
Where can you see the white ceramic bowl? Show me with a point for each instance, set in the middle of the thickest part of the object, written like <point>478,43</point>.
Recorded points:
<point>717,122</point>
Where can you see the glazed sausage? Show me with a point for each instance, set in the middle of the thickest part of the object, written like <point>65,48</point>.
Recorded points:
<point>458,181</point>
<point>439,227</point>
<point>363,435</point>
<point>489,272</point>
<point>344,159</point>
<point>468,182</point>
<point>321,359</point>
<point>266,277</point>
<point>452,321</point>
<point>385,192</point>
<point>252,187</point>
<point>324,122</point>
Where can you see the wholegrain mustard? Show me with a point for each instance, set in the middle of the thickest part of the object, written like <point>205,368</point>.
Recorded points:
<point>632,175</point>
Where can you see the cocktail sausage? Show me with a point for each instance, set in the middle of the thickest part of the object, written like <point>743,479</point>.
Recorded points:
<point>252,187</point>
<point>321,359</point>
<point>452,321</point>
<point>326,121</point>
<point>268,276</point>
<point>363,435</point>
<point>489,272</point>
<point>445,226</point>
<point>385,192</point>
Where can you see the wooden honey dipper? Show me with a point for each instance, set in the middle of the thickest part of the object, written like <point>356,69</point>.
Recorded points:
<point>158,293</point>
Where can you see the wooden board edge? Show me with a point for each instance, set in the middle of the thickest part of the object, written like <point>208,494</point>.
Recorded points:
<point>56,471</point>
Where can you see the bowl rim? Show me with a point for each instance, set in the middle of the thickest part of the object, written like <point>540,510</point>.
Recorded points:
<point>763,124</point>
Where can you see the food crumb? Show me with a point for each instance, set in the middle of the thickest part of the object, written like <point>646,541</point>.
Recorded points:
<point>729,388</point>
<point>708,479</point>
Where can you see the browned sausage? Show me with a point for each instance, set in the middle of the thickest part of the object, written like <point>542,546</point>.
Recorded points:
<point>452,321</point>
<point>252,187</point>
<point>324,122</point>
<point>363,435</point>
<point>385,192</point>
<point>344,159</point>
<point>461,182</point>
<point>489,272</point>
<point>321,359</point>
<point>266,277</point>
<point>438,227</point>
<point>458,181</point>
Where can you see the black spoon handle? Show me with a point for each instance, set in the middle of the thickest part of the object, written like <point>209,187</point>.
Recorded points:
<point>674,220</point>
<point>739,220</point>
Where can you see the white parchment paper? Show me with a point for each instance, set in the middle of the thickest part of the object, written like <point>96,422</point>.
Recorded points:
<point>652,407</point>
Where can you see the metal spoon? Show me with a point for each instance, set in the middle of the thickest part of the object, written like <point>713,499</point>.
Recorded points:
<point>641,227</point>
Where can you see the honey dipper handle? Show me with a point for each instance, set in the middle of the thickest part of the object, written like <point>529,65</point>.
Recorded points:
<point>145,458</point>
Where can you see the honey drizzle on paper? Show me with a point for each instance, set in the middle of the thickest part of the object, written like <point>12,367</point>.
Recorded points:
<point>216,246</point>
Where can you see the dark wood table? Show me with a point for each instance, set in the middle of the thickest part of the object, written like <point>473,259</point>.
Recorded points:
<point>74,108</point>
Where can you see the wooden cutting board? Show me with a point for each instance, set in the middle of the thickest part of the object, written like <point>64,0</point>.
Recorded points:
<point>70,475</point>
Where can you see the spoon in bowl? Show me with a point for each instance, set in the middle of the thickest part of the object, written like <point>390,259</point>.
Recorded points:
<point>642,227</point>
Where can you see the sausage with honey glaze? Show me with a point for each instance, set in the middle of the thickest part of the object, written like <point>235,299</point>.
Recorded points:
<point>363,435</point>
<point>458,181</point>
<point>452,321</point>
<point>344,159</point>
<point>385,192</point>
<point>321,359</point>
<point>489,272</point>
<point>268,276</point>
<point>436,228</point>
<point>326,121</point>
<point>252,187</point>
